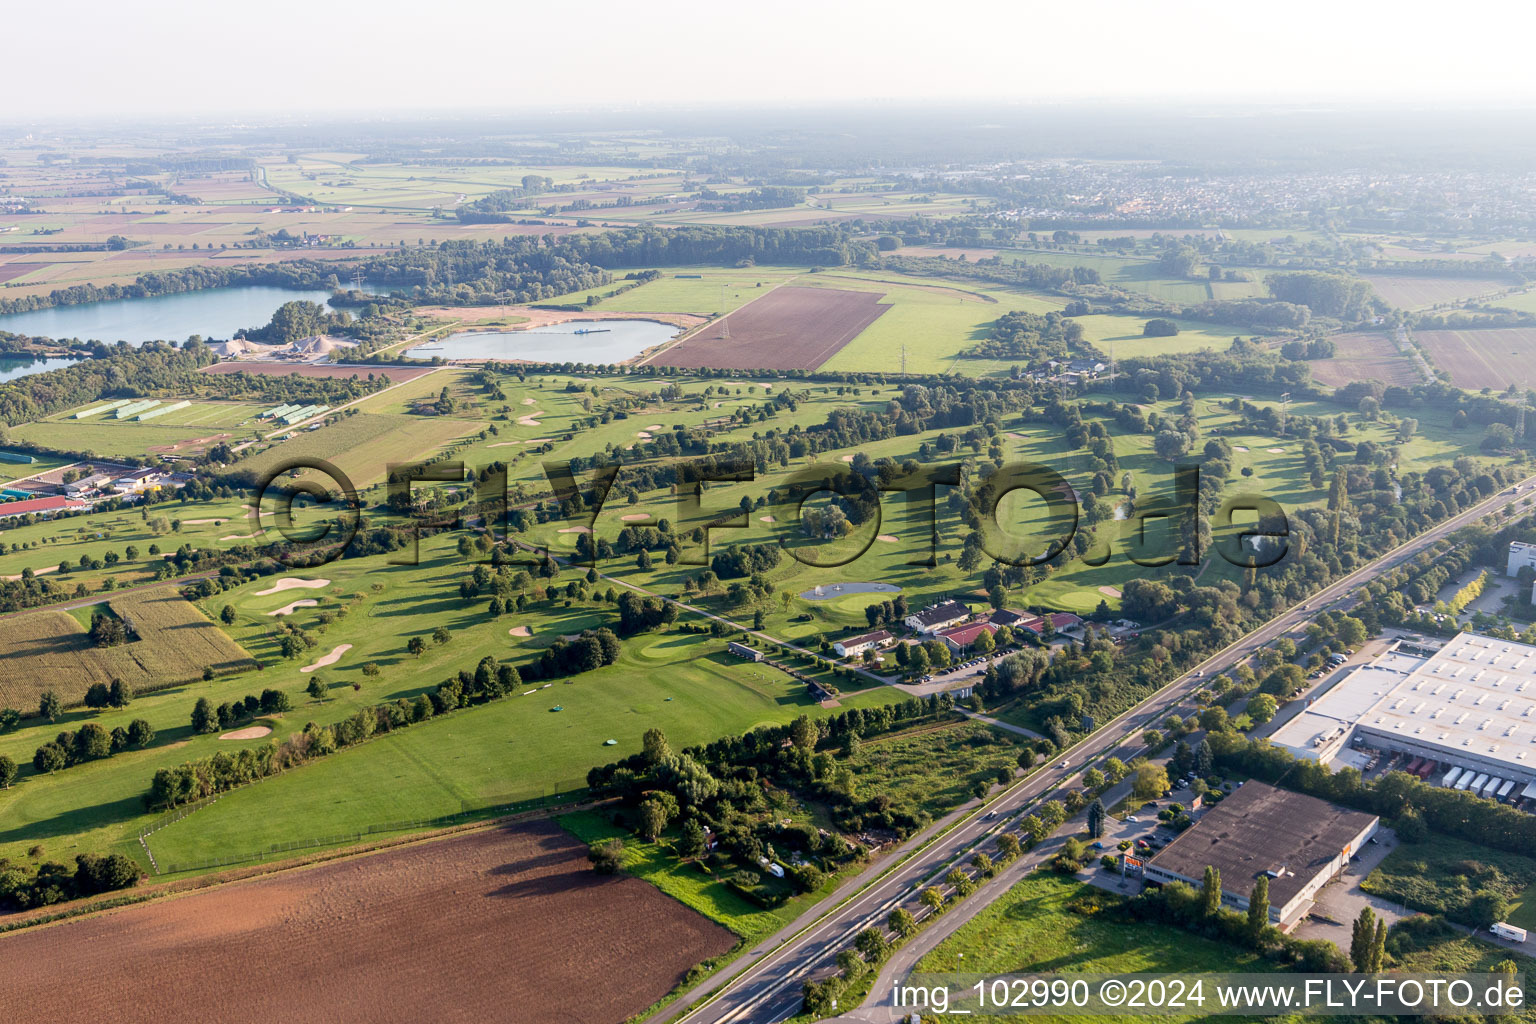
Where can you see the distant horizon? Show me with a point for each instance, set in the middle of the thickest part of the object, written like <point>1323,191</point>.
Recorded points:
<point>186,60</point>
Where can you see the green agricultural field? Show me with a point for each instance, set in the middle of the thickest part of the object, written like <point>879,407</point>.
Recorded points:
<point>363,445</point>
<point>113,439</point>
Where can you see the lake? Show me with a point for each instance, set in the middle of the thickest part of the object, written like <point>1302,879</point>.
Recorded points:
<point>212,312</point>
<point>605,341</point>
<point>12,367</point>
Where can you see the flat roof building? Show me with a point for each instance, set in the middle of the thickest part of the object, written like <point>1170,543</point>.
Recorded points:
<point>1469,705</point>
<point>1521,554</point>
<point>1300,843</point>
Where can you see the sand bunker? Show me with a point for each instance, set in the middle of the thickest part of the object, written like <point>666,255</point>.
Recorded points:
<point>202,522</point>
<point>1018,437</point>
<point>329,659</point>
<point>293,583</point>
<point>287,609</point>
<point>644,435</point>
<point>531,420</point>
<point>889,538</point>
<point>1275,451</point>
<point>37,572</point>
<point>766,519</point>
<point>239,536</point>
<point>530,401</point>
<point>847,458</point>
<point>653,426</point>
<point>250,732</point>
<point>1239,447</point>
<point>575,529</point>
<point>1110,591</point>
<point>520,631</point>
<point>635,517</point>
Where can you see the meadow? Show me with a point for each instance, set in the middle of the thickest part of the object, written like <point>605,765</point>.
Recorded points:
<point>1047,924</point>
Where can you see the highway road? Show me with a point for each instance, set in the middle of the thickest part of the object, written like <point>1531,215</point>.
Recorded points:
<point>764,987</point>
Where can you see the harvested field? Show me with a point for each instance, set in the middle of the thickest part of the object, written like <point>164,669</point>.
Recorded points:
<point>350,936</point>
<point>1417,291</point>
<point>1364,356</point>
<point>790,328</point>
<point>50,650</point>
<point>394,374</point>
<point>1493,358</point>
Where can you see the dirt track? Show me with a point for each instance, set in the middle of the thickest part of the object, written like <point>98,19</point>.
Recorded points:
<point>502,924</point>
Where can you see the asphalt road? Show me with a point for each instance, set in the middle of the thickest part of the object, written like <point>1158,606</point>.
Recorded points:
<point>764,987</point>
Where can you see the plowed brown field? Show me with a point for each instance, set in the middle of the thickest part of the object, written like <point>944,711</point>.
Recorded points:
<point>790,328</point>
<point>500,925</point>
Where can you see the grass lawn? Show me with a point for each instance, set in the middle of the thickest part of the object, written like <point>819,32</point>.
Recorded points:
<point>1048,924</point>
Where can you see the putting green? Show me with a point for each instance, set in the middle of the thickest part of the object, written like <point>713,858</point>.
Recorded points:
<point>668,648</point>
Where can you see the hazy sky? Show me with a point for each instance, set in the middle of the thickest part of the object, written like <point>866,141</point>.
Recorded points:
<point>80,58</point>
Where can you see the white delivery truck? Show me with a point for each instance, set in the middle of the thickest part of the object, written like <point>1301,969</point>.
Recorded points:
<point>1508,931</point>
<point>1449,779</point>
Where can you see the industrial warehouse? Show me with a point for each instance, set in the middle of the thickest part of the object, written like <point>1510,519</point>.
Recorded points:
<point>1298,842</point>
<point>1462,715</point>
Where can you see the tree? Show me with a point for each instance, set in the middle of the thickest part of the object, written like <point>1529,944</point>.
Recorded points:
<point>693,840</point>
<point>50,757</point>
<point>1160,327</point>
<point>441,636</point>
<point>96,696</point>
<point>1379,947</point>
<point>140,733</point>
<point>119,694</point>
<point>1205,760</point>
<point>49,706</point>
<point>1008,845</point>
<point>416,645</point>
<point>871,942</point>
<point>316,688</point>
<point>7,772</point>
<point>1210,891</point>
<point>1151,781</point>
<point>1096,815</point>
<point>92,743</point>
<point>931,898</point>
<point>802,733</point>
<point>227,615</point>
<point>204,720</point>
<point>1261,708</point>
<point>274,701</point>
<point>1485,908</point>
<point>901,922</point>
<point>1362,938</point>
<point>607,857</point>
<point>1258,909</point>
<point>653,819</point>
<point>656,747</point>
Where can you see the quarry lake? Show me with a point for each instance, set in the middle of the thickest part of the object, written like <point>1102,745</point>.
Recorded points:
<point>214,313</point>
<point>576,341</point>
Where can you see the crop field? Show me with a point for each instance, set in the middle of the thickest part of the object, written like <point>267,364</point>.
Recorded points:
<point>289,936</point>
<point>50,650</point>
<point>1414,291</point>
<point>1493,358</point>
<point>121,439</point>
<point>1365,356</point>
<point>790,328</point>
<point>363,445</point>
